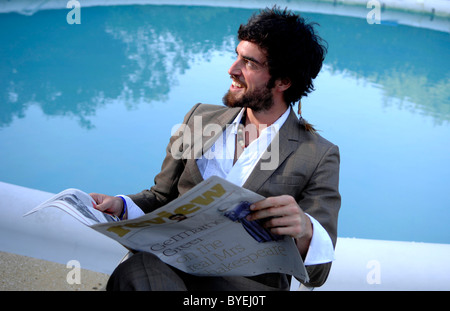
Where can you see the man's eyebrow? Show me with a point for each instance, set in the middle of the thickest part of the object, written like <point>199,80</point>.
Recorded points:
<point>249,58</point>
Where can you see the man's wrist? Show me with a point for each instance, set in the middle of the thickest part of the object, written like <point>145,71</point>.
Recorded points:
<point>304,242</point>
<point>123,214</point>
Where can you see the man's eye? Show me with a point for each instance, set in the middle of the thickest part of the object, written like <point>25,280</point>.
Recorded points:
<point>249,63</point>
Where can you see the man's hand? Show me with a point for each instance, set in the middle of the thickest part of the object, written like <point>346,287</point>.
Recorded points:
<point>108,204</point>
<point>285,217</point>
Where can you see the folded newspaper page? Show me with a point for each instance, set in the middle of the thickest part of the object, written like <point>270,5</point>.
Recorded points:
<point>204,232</point>
<point>78,204</point>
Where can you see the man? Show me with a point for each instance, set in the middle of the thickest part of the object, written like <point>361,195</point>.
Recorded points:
<point>278,56</point>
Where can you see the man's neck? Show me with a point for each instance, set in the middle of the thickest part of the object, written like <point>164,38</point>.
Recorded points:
<point>265,117</point>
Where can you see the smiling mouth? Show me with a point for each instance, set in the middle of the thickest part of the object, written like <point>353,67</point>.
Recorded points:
<point>236,84</point>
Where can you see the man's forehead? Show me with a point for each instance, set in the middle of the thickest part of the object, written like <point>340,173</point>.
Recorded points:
<point>252,50</point>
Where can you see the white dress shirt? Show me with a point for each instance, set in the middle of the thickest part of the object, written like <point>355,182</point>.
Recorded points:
<point>218,161</point>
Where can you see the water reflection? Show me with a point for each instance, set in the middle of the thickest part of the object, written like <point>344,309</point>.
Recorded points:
<point>135,54</point>
<point>410,64</point>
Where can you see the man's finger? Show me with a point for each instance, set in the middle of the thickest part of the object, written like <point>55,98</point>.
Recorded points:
<point>98,198</point>
<point>274,211</point>
<point>272,202</point>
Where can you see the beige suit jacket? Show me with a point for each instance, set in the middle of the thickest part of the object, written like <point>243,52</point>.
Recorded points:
<point>307,169</point>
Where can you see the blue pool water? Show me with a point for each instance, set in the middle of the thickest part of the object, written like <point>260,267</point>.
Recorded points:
<point>91,106</point>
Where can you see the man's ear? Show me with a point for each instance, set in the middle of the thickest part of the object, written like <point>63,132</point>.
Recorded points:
<point>282,85</point>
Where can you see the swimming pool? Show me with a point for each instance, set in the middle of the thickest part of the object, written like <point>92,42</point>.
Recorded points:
<point>91,106</point>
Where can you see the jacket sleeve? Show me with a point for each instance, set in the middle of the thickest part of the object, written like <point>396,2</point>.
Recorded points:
<point>165,188</point>
<point>321,200</point>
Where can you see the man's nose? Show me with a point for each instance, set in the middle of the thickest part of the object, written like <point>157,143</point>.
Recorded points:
<point>235,68</point>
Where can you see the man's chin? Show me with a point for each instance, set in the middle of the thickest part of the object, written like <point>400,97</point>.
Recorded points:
<point>231,100</point>
<point>257,101</point>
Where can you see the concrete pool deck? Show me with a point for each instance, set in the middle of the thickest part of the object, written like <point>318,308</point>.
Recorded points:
<point>434,7</point>
<point>437,7</point>
<point>428,14</point>
<point>23,273</point>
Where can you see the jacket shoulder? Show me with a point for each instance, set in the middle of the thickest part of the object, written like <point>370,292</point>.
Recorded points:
<point>208,108</point>
<point>211,113</point>
<point>307,136</point>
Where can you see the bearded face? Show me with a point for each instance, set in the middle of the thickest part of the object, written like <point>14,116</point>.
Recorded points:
<point>258,99</point>
<point>250,78</point>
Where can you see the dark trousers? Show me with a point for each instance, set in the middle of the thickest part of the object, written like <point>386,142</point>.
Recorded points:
<point>146,272</point>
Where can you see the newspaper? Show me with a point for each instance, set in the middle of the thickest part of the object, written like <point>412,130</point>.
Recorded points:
<point>79,205</point>
<point>204,232</point>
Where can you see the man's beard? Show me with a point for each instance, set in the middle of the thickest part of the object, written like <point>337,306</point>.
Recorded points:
<point>257,100</point>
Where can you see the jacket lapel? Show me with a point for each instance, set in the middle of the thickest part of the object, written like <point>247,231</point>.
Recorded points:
<point>213,123</point>
<point>288,140</point>
<point>210,120</point>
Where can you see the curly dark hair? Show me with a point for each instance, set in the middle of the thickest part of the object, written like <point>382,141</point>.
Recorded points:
<point>292,47</point>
